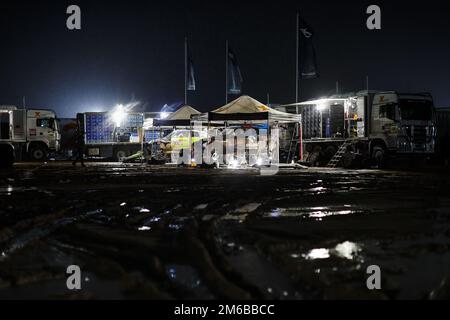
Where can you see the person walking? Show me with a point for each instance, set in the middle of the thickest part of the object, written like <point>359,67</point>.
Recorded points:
<point>79,143</point>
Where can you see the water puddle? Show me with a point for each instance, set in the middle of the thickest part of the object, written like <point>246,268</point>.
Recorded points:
<point>345,250</point>
<point>10,190</point>
<point>187,278</point>
<point>316,213</point>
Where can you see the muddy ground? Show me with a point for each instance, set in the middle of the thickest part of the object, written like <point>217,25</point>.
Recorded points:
<point>157,232</point>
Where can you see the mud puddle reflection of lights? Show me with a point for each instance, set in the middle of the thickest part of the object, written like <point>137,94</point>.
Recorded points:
<point>316,213</point>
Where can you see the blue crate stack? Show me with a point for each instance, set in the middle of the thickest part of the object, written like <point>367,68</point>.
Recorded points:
<point>98,128</point>
<point>134,121</point>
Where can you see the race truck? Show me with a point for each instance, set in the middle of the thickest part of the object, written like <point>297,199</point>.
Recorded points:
<point>27,134</point>
<point>366,128</point>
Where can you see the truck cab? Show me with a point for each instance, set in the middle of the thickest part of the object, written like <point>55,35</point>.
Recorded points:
<point>28,133</point>
<point>43,134</point>
<point>404,122</point>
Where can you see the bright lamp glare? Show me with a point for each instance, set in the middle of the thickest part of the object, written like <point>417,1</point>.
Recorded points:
<point>321,106</point>
<point>234,164</point>
<point>259,162</point>
<point>118,115</point>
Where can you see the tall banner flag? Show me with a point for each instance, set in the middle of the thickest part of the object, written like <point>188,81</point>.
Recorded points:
<point>234,76</point>
<point>307,64</point>
<point>190,74</point>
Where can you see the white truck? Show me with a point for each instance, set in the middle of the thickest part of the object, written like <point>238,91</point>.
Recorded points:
<point>27,134</point>
<point>366,127</point>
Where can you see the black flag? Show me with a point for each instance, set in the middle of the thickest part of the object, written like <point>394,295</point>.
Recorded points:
<point>234,74</point>
<point>306,52</point>
<point>190,84</point>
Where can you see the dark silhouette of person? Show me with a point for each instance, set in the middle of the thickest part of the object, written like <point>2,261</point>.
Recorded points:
<point>79,144</point>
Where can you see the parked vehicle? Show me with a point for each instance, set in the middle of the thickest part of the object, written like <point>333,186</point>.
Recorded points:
<point>161,149</point>
<point>27,134</point>
<point>366,127</point>
<point>116,135</point>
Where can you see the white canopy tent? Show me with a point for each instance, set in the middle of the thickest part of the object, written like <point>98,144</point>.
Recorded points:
<point>184,113</point>
<point>181,117</point>
<point>246,108</point>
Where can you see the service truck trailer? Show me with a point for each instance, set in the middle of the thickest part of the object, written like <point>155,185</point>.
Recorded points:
<point>109,138</point>
<point>27,134</point>
<point>366,127</point>
<point>113,136</point>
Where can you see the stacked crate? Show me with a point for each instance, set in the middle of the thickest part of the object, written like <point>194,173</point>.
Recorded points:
<point>311,119</point>
<point>133,120</point>
<point>99,128</point>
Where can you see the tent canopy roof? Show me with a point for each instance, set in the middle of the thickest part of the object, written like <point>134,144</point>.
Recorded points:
<point>181,117</point>
<point>184,113</point>
<point>246,108</point>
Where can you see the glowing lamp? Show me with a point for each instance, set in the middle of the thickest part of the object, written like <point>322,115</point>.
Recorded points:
<point>118,115</point>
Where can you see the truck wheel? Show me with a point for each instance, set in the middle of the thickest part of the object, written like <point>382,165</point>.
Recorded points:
<point>330,151</point>
<point>314,156</point>
<point>379,156</point>
<point>347,160</point>
<point>38,153</point>
<point>121,154</point>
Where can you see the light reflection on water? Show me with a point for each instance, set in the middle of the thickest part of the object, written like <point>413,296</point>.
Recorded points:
<point>310,212</point>
<point>314,254</point>
<point>183,275</point>
<point>9,190</point>
<point>345,250</point>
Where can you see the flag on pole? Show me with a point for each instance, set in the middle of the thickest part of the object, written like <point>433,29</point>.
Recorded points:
<point>306,52</point>
<point>190,83</point>
<point>234,74</point>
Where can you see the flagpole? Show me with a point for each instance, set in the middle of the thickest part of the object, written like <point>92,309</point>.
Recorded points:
<point>296,59</point>
<point>185,70</point>
<point>226,71</point>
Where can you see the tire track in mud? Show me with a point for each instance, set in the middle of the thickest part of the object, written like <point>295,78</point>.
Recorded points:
<point>206,234</point>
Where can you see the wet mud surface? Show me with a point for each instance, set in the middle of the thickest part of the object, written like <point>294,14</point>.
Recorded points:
<point>159,232</point>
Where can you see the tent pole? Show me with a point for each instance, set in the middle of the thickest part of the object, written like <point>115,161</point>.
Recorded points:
<point>300,138</point>
<point>185,69</point>
<point>296,59</point>
<point>269,137</point>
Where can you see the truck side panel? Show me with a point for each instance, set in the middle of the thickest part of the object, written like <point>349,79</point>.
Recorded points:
<point>19,125</point>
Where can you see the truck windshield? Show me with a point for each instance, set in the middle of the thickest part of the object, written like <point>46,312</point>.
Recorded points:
<point>416,109</point>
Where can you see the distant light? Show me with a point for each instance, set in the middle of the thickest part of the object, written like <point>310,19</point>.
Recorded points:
<point>118,115</point>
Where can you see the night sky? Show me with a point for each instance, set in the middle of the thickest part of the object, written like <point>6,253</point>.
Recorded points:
<point>128,48</point>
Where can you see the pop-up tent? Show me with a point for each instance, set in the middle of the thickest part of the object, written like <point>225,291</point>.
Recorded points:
<point>246,108</point>
<point>181,117</point>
